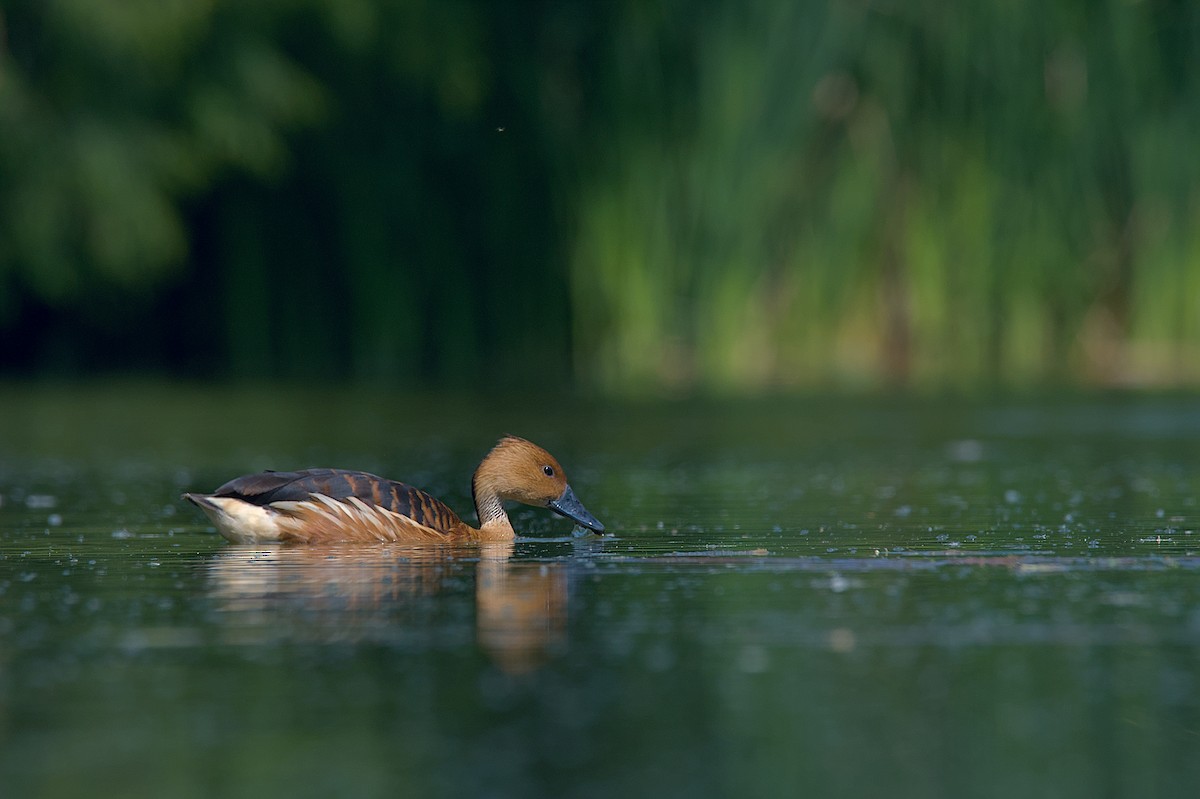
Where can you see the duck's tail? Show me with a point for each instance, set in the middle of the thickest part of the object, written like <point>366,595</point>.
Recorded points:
<point>238,521</point>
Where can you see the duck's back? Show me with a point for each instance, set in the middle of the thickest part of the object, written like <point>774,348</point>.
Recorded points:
<point>268,488</point>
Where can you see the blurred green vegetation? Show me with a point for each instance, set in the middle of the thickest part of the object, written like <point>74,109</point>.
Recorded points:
<point>627,196</point>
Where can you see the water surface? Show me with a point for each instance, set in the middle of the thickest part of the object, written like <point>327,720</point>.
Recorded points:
<point>851,596</point>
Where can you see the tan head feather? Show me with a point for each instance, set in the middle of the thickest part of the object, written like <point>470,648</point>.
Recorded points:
<point>519,470</point>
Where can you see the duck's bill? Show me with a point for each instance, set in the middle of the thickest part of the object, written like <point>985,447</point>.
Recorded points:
<point>567,505</point>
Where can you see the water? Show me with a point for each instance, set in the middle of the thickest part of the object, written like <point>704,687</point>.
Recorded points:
<point>822,597</point>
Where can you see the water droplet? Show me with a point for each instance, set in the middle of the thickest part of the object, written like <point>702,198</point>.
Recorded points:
<point>842,640</point>
<point>965,451</point>
<point>753,659</point>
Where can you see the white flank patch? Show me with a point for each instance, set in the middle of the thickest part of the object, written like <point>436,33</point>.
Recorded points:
<point>241,522</point>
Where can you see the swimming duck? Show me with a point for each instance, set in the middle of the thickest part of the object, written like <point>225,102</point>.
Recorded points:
<point>326,505</point>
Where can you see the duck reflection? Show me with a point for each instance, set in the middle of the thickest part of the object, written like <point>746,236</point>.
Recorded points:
<point>356,592</point>
<point>520,611</point>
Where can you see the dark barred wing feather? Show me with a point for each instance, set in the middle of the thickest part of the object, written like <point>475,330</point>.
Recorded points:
<point>339,484</point>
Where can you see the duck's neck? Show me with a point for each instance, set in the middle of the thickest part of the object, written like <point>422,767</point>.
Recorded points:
<point>493,519</point>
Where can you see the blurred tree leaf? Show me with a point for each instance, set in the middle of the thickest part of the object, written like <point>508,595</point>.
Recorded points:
<point>112,113</point>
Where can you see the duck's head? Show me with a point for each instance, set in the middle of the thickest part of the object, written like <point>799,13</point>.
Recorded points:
<point>520,470</point>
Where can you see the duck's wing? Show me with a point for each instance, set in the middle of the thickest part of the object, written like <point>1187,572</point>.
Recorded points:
<point>286,490</point>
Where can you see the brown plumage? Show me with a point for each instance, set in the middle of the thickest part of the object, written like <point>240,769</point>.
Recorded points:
<point>326,505</point>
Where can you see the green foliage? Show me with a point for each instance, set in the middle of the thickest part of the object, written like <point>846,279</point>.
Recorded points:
<point>931,194</point>
<point>112,114</point>
<point>762,195</point>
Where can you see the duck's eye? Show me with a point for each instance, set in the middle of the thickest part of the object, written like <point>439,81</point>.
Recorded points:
<point>548,471</point>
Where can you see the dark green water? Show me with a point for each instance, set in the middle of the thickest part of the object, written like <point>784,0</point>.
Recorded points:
<point>820,597</point>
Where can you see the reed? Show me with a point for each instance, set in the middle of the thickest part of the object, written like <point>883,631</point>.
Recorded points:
<point>631,197</point>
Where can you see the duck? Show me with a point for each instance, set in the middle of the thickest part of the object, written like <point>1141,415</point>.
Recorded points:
<point>325,506</point>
